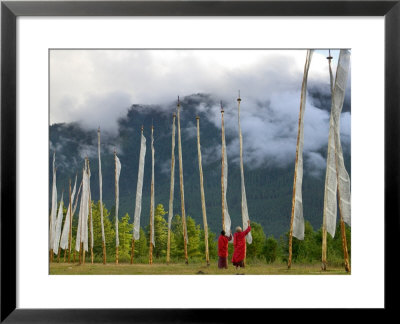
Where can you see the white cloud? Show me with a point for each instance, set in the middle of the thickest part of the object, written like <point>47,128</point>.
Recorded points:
<point>96,87</point>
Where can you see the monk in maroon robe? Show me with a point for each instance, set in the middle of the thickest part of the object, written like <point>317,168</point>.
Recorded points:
<point>223,250</point>
<point>239,246</point>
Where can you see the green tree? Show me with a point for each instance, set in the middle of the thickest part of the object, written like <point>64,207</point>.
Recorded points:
<point>177,244</point>
<point>109,233</point>
<point>125,238</point>
<point>335,250</point>
<point>270,249</point>
<point>193,232</point>
<point>254,250</point>
<point>141,248</point>
<point>308,249</point>
<point>160,232</point>
<point>212,245</point>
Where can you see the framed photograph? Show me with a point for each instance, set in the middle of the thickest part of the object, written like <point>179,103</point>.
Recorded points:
<point>76,80</point>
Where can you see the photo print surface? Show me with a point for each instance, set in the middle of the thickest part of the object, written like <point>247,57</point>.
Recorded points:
<point>195,162</point>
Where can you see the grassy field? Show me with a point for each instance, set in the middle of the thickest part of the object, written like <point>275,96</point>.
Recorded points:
<point>189,269</point>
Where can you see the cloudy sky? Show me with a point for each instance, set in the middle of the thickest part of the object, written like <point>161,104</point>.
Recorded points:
<point>96,87</point>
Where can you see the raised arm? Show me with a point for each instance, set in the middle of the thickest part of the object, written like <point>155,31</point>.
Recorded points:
<point>248,229</point>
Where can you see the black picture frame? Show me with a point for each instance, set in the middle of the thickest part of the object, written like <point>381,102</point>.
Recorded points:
<point>10,10</point>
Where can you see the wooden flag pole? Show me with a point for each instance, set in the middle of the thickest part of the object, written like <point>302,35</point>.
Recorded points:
<point>70,225</point>
<point>101,201</point>
<point>133,234</point>
<point>342,226</point>
<point>171,190</point>
<point>116,221</point>
<point>302,100</point>
<point>66,216</point>
<point>181,186</point>
<point>344,244</point>
<point>80,250</point>
<point>203,203</point>
<point>59,248</point>
<point>241,166</point>
<point>90,219</point>
<point>294,191</point>
<point>222,169</point>
<point>324,231</point>
<point>132,250</point>
<point>151,204</point>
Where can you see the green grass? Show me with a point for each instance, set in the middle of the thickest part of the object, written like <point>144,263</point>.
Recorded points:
<point>189,269</point>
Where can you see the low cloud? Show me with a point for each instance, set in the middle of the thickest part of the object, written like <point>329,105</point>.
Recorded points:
<point>96,88</point>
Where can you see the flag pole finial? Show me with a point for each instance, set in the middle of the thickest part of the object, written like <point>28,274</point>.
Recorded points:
<point>329,57</point>
<point>142,128</point>
<point>222,108</point>
<point>178,102</point>
<point>238,99</point>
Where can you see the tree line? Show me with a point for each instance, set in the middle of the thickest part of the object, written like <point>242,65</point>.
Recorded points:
<point>263,249</point>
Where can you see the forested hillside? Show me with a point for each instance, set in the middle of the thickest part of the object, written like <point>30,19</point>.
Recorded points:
<point>269,187</point>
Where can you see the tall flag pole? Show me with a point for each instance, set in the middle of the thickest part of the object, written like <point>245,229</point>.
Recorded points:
<point>185,238</point>
<point>171,190</point>
<point>226,220</point>
<point>152,243</point>
<point>330,179</point>
<point>117,173</point>
<point>86,213</point>
<point>101,200</point>
<point>139,187</point>
<point>53,209</point>
<point>81,243</point>
<point>67,219</point>
<point>90,216</point>
<point>73,212</point>
<point>297,220</point>
<point>245,212</point>
<point>343,179</point>
<point>77,198</point>
<point>78,240</point>
<point>56,243</point>
<point>66,236</point>
<point>203,203</point>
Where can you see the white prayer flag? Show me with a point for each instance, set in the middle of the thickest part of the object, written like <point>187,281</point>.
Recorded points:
<point>53,205</point>
<point>245,212</point>
<point>152,190</point>
<point>82,231</point>
<point>336,170</point>
<point>58,226</point>
<point>139,187</point>
<point>298,220</point>
<point>227,218</point>
<point>117,173</point>
<point>101,188</point>
<point>171,195</point>
<point>68,217</point>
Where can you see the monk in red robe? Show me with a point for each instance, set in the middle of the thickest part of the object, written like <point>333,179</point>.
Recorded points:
<point>239,246</point>
<point>223,250</point>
